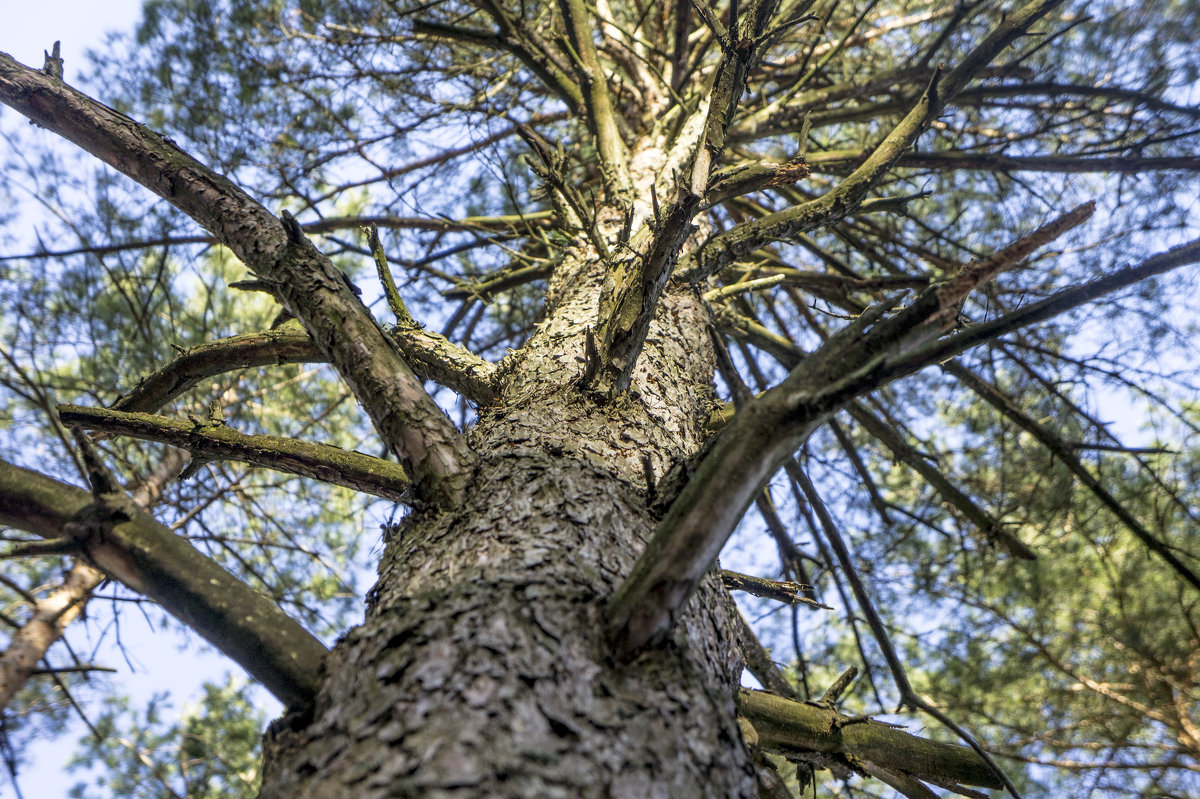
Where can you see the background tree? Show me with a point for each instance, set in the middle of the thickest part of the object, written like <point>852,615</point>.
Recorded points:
<point>602,207</point>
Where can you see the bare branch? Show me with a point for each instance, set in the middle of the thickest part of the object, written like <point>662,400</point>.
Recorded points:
<point>266,348</point>
<point>724,248</point>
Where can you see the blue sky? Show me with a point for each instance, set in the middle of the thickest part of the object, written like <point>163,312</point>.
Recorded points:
<point>32,27</point>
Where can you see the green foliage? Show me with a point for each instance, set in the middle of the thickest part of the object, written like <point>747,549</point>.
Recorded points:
<point>208,751</point>
<point>1083,660</point>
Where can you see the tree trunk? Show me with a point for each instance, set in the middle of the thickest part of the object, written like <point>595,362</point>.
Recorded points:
<point>482,667</point>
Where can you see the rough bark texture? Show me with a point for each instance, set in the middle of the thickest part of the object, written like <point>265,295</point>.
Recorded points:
<point>482,668</point>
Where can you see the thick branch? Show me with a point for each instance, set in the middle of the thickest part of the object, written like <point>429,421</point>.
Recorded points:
<point>270,347</point>
<point>129,545</point>
<point>308,284</point>
<point>788,728</point>
<point>433,357</point>
<point>215,441</point>
<point>437,358</point>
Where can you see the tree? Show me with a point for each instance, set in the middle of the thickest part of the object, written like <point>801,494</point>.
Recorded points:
<point>822,207</point>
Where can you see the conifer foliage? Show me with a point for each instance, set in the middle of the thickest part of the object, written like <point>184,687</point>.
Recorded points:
<point>570,295</point>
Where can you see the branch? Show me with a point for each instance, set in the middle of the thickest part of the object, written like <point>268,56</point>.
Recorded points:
<point>433,357</point>
<point>758,659</point>
<point>614,163</point>
<point>631,292</point>
<point>130,546</point>
<point>208,441</point>
<point>308,284</point>
<point>786,591</point>
<point>45,625</point>
<point>762,435</point>
<point>633,287</point>
<point>384,270</point>
<point>270,347</point>
<point>437,358</point>
<point>724,248</point>
<point>795,728</point>
<point>526,45</point>
<point>989,162</point>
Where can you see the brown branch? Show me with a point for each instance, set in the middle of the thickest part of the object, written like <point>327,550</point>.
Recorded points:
<point>432,357</point>
<point>787,591</point>
<point>786,727</point>
<point>601,117</point>
<point>758,659</point>
<point>208,441</point>
<point>270,347</point>
<point>127,544</point>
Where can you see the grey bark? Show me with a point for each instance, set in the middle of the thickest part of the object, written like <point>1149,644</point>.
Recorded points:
<point>482,667</point>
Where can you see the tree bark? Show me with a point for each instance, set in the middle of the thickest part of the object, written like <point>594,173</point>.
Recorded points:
<point>482,668</point>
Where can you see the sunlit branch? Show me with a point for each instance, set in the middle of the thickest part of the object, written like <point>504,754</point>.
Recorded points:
<point>601,117</point>
<point>985,162</point>
<point>45,625</point>
<point>791,728</point>
<point>724,248</point>
<point>786,591</point>
<point>184,372</point>
<point>431,355</point>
